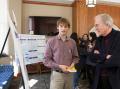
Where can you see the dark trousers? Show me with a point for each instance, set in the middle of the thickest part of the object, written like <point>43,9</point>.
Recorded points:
<point>83,66</point>
<point>104,83</point>
<point>98,79</point>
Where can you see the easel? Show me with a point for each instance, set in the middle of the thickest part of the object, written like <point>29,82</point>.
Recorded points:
<point>1,55</point>
<point>18,50</point>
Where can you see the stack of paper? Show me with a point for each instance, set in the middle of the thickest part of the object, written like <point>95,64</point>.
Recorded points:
<point>72,69</point>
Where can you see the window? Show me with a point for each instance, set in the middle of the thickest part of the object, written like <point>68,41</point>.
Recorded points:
<point>3,25</point>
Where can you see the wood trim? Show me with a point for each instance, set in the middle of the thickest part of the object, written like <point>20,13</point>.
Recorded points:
<point>47,3</point>
<point>110,4</point>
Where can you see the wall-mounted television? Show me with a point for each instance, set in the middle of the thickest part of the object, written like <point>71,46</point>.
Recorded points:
<point>43,25</point>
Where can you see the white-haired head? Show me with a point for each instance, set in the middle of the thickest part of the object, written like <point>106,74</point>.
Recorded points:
<point>106,19</point>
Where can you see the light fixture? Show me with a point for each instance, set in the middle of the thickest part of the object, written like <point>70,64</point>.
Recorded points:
<point>90,3</point>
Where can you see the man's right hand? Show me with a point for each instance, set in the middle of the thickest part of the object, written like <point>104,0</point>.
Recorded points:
<point>96,52</point>
<point>63,68</point>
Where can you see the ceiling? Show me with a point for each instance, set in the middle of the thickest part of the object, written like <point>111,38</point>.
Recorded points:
<point>71,1</point>
<point>56,1</point>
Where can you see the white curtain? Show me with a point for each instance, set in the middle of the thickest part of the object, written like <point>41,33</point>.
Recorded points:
<point>3,25</point>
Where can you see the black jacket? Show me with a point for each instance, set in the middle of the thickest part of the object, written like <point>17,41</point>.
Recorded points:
<point>114,62</point>
<point>114,49</point>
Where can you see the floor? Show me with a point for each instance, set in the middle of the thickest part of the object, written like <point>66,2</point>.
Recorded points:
<point>43,81</point>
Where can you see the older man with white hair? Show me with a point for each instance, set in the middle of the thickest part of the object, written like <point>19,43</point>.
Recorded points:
<point>107,52</point>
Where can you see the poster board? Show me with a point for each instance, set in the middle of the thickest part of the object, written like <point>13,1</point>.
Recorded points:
<point>19,52</point>
<point>33,47</point>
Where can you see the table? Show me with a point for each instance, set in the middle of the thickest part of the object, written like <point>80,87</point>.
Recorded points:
<point>6,75</point>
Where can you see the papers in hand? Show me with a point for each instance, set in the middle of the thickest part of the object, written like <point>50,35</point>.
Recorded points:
<point>72,69</point>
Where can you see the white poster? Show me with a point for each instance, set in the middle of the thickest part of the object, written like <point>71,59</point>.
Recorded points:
<point>33,47</point>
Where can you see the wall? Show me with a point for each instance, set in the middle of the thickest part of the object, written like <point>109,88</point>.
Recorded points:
<point>84,16</point>
<point>44,10</point>
<point>16,6</point>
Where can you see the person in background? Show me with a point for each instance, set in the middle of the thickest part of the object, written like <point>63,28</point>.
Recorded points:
<point>84,41</point>
<point>61,53</point>
<point>92,40</point>
<point>89,63</point>
<point>106,53</point>
<point>76,75</point>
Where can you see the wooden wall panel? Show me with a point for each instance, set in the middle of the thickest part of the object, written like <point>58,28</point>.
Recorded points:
<point>115,13</point>
<point>74,16</point>
<point>80,17</point>
<point>90,18</point>
<point>83,18</point>
<point>102,9</point>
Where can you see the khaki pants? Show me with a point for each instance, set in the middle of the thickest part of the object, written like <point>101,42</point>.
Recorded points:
<point>61,80</point>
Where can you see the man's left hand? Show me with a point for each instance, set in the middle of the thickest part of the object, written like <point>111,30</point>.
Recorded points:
<point>108,56</point>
